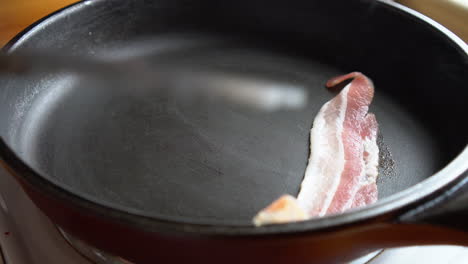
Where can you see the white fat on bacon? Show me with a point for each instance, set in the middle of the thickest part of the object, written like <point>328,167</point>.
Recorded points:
<point>283,210</point>
<point>342,169</point>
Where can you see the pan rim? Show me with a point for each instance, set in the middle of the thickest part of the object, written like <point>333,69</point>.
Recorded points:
<point>446,176</point>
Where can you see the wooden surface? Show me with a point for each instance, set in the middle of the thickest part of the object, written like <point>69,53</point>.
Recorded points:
<point>453,14</point>
<point>15,15</point>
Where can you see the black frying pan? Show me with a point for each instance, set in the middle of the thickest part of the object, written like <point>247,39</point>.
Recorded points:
<point>151,178</point>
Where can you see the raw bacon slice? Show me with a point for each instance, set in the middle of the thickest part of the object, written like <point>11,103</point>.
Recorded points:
<point>283,210</point>
<point>367,193</point>
<point>342,168</point>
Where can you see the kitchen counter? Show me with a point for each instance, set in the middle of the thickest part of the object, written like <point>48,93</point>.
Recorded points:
<point>453,14</point>
<point>18,14</point>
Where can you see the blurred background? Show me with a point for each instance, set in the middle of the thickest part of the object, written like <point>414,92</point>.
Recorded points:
<point>15,15</point>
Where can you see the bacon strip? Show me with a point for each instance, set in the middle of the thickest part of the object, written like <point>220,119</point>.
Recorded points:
<point>342,169</point>
<point>367,193</point>
<point>283,210</point>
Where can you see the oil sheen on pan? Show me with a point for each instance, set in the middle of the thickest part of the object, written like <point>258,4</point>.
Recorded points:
<point>342,169</point>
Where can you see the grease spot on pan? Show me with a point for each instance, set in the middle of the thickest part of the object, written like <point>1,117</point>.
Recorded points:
<point>386,161</point>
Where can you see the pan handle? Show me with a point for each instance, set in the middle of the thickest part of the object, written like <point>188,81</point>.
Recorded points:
<point>449,209</point>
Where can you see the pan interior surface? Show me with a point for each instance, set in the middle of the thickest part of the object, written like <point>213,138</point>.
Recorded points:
<point>213,163</point>
<point>199,159</point>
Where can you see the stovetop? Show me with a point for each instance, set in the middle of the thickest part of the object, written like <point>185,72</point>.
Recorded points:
<point>29,237</point>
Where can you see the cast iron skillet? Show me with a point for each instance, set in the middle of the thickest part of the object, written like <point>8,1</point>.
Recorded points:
<point>150,178</point>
